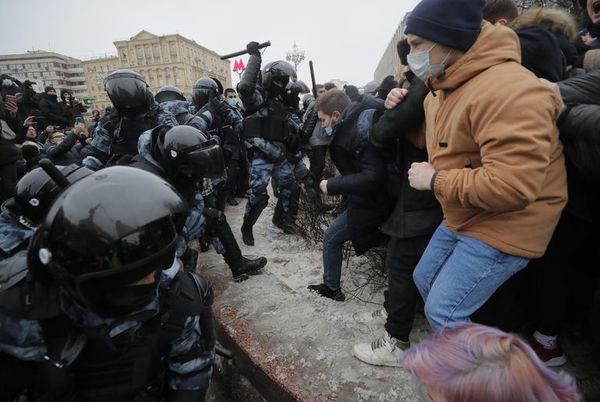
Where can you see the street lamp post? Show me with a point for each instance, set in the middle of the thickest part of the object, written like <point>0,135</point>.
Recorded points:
<point>295,56</point>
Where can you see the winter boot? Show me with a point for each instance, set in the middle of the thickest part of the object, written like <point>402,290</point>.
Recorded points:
<point>251,217</point>
<point>240,266</point>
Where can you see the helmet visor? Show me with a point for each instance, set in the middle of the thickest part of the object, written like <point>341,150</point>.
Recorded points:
<point>206,160</point>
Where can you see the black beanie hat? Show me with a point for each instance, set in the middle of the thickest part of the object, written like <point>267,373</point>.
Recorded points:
<point>452,23</point>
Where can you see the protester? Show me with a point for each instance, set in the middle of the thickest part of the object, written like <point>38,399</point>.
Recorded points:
<point>362,175</point>
<point>500,204</point>
<point>473,363</point>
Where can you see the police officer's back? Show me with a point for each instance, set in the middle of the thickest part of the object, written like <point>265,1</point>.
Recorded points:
<point>105,314</point>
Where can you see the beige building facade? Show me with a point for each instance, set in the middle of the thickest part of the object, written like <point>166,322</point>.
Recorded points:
<point>389,64</point>
<point>46,69</point>
<point>95,72</point>
<point>162,60</point>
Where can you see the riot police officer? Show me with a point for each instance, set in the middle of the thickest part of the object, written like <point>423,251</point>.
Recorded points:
<point>22,213</point>
<point>297,147</point>
<point>134,112</point>
<point>266,131</point>
<point>184,156</point>
<point>172,100</point>
<point>118,320</point>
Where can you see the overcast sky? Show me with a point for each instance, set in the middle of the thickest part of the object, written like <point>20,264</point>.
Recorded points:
<point>345,39</point>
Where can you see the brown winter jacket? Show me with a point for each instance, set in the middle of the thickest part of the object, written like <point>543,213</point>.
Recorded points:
<point>491,135</point>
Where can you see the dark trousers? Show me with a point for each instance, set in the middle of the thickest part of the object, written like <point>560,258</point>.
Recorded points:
<point>565,278</point>
<point>317,162</point>
<point>234,172</point>
<point>402,294</point>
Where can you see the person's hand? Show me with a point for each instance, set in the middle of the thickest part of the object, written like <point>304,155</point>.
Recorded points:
<point>80,129</point>
<point>323,186</point>
<point>10,105</point>
<point>395,97</point>
<point>29,121</point>
<point>252,48</point>
<point>420,175</point>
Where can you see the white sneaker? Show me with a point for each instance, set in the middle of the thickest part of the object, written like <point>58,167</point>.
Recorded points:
<point>374,317</point>
<point>385,351</point>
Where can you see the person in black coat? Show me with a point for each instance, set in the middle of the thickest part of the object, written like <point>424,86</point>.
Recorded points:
<point>410,226</point>
<point>361,182</point>
<point>569,271</point>
<point>54,112</point>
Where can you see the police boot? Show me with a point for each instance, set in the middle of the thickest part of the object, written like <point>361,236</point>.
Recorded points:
<point>289,219</point>
<point>278,215</point>
<point>189,259</point>
<point>240,266</point>
<point>251,217</point>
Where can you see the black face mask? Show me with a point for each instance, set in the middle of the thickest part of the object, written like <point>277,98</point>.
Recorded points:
<point>124,300</point>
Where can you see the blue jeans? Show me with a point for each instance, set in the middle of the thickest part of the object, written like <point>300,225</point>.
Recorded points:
<point>334,238</point>
<point>458,274</point>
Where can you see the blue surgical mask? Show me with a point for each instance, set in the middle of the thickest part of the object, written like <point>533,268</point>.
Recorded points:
<point>420,65</point>
<point>328,131</point>
<point>232,102</point>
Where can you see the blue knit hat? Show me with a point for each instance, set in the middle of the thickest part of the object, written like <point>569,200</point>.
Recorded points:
<point>452,23</point>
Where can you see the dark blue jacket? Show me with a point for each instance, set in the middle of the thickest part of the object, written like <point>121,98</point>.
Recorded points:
<point>362,172</point>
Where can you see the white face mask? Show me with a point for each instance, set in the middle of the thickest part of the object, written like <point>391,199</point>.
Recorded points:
<point>419,64</point>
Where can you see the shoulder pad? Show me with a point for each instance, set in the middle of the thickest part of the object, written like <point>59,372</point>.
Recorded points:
<point>13,270</point>
<point>190,294</point>
<point>26,298</point>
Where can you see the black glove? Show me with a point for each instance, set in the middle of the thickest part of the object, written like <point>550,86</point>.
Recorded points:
<point>252,48</point>
<point>219,107</point>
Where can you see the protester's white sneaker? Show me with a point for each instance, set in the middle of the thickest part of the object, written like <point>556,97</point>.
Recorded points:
<point>385,351</point>
<point>378,316</point>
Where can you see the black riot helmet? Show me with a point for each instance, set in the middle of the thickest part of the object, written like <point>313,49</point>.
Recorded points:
<point>203,91</point>
<point>220,88</point>
<point>104,234</point>
<point>36,191</point>
<point>279,71</point>
<point>186,151</point>
<point>127,91</point>
<point>292,91</point>
<point>169,93</point>
<point>307,100</point>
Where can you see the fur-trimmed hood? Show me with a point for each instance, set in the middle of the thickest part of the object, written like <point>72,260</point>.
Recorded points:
<point>557,21</point>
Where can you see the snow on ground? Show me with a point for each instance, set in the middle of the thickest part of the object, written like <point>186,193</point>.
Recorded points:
<point>308,338</point>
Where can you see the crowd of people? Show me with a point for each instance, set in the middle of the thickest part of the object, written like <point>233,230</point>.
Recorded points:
<point>476,167</point>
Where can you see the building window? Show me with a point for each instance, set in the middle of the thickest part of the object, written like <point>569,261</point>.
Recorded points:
<point>173,47</point>
<point>156,51</point>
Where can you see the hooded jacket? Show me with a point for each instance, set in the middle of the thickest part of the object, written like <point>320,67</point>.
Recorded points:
<point>547,40</point>
<point>491,136</point>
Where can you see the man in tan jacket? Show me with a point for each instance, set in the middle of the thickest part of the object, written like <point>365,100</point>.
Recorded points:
<point>495,161</point>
